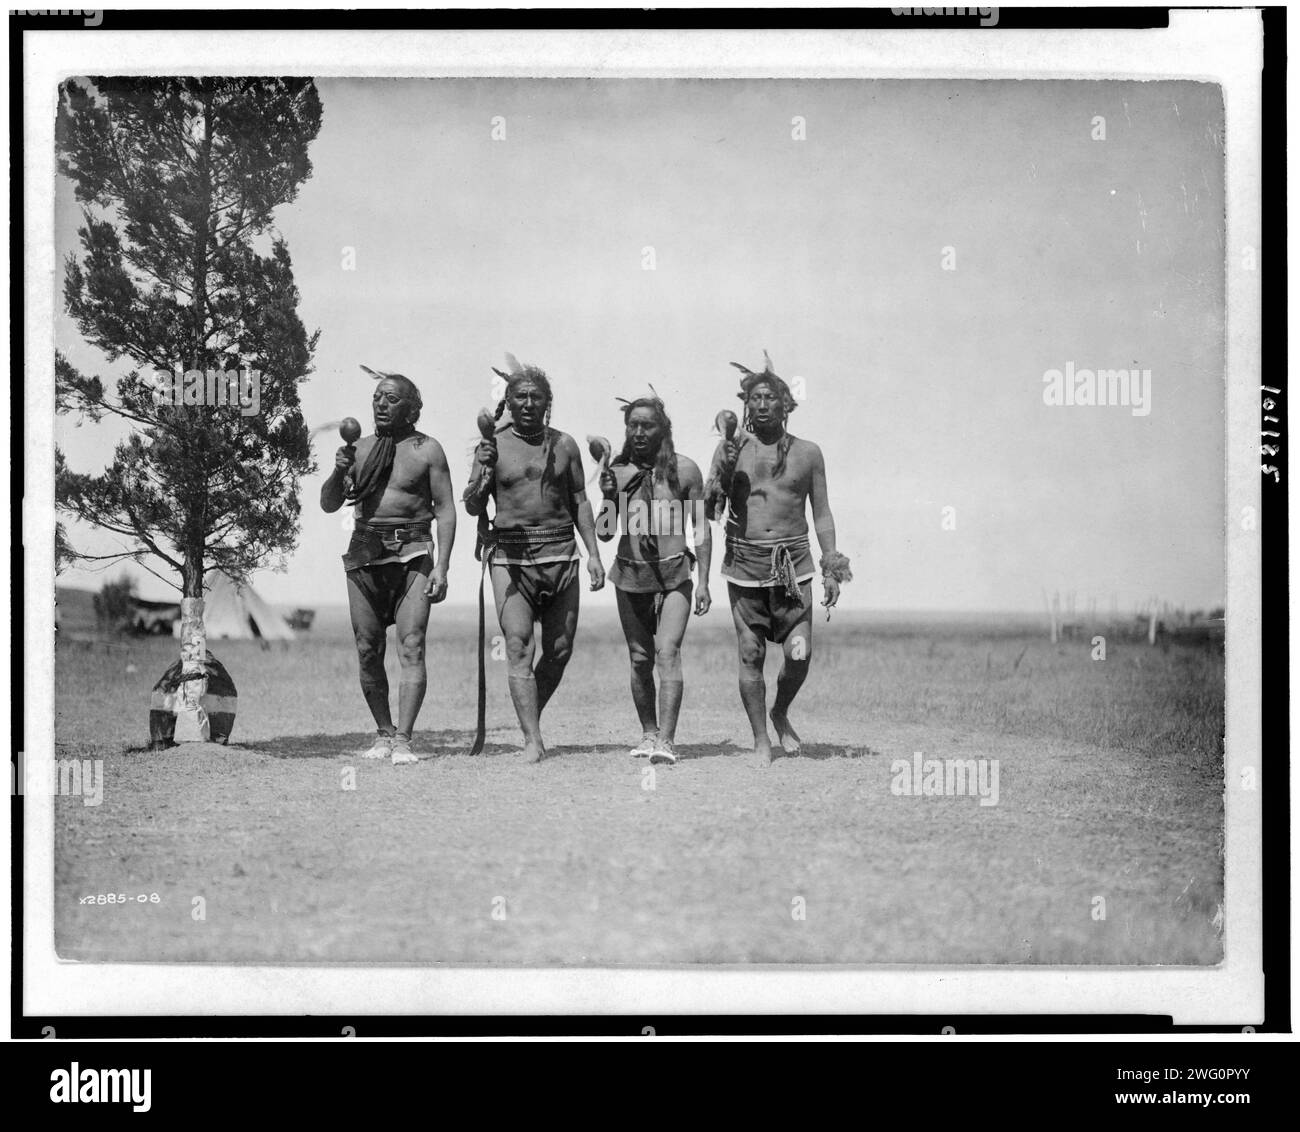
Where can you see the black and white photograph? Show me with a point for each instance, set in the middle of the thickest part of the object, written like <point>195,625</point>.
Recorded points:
<point>679,520</point>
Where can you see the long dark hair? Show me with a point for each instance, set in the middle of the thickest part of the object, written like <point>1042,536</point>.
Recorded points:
<point>665,465</point>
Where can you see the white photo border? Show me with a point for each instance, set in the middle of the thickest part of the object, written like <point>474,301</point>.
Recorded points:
<point>1221,46</point>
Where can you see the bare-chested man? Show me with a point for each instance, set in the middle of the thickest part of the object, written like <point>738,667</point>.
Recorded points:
<point>534,473</point>
<point>655,491</point>
<point>402,487</point>
<point>768,477</point>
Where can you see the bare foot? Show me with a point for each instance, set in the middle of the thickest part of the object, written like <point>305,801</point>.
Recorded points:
<point>785,734</point>
<point>534,752</point>
<point>763,752</point>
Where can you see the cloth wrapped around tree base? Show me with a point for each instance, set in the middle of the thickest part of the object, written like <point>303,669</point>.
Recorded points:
<point>218,703</point>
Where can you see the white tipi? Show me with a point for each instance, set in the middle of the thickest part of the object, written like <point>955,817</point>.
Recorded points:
<point>234,612</point>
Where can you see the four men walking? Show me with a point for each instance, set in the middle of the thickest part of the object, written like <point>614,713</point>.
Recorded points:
<point>532,475</point>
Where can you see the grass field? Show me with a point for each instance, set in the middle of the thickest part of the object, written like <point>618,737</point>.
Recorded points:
<point>1110,787</point>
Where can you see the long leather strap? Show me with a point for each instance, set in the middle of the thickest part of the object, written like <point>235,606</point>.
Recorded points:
<point>480,726</point>
<point>481,552</point>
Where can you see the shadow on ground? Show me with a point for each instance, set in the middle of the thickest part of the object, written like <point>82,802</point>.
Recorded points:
<point>830,751</point>
<point>439,744</point>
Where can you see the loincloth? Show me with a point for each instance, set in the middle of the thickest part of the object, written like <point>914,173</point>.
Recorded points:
<point>768,611</point>
<point>375,544</point>
<point>784,563</point>
<point>541,563</point>
<point>647,606</point>
<point>385,586</point>
<point>656,575</point>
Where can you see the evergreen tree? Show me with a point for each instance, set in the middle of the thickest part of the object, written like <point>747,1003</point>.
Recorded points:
<point>182,272</point>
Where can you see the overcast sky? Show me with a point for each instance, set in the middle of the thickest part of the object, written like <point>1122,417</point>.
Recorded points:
<point>924,386</point>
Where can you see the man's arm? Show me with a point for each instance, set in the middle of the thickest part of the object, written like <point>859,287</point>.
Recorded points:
<point>702,537</point>
<point>481,476</point>
<point>824,525</point>
<point>718,487</point>
<point>444,513</point>
<point>823,520</point>
<point>607,519</point>
<point>334,489</point>
<point>580,508</point>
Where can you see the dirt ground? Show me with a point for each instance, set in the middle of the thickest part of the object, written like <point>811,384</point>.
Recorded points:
<point>284,845</point>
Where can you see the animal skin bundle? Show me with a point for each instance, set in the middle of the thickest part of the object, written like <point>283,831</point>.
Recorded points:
<point>479,485</point>
<point>715,489</point>
<point>477,491</point>
<point>836,565</point>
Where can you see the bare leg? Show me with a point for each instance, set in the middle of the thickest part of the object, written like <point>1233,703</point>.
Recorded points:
<point>636,613</point>
<point>523,691</point>
<point>751,650</point>
<point>559,624</point>
<point>794,671</point>
<point>673,619</point>
<point>670,703</point>
<point>412,623</point>
<point>516,618</point>
<point>371,642</point>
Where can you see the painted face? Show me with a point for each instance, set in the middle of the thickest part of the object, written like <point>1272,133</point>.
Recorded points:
<point>644,431</point>
<point>764,404</point>
<point>392,407</point>
<point>527,402</point>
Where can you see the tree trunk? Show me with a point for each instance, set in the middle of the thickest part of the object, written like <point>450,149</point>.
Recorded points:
<point>191,719</point>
